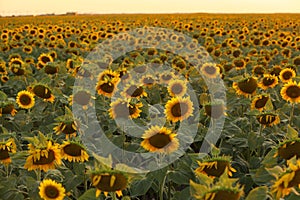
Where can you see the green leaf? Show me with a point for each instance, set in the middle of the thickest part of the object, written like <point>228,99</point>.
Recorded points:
<point>258,193</point>
<point>291,133</point>
<point>269,160</point>
<point>140,187</point>
<point>89,195</point>
<point>269,105</point>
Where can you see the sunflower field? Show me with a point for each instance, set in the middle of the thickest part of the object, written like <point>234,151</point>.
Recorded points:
<point>150,106</point>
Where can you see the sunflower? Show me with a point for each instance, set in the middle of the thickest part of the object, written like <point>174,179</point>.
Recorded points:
<point>239,64</point>
<point>43,92</point>
<point>8,108</point>
<point>259,102</point>
<point>7,147</point>
<point>82,98</point>
<point>25,99</point>
<point>275,70</point>
<point>215,110</point>
<point>16,65</point>
<point>296,61</point>
<point>107,87</point>
<point>43,156</point>
<point>27,49</point>
<point>259,70</point>
<point>109,181</point>
<point>107,74</point>
<point>286,183</point>
<point>291,92</point>
<point>166,77</point>
<point>159,139</point>
<point>268,119</point>
<point>73,152</point>
<point>124,109</point>
<point>3,67</point>
<point>287,74</point>
<point>134,91</point>
<point>147,80</point>
<point>69,128</point>
<point>268,81</point>
<point>210,70</point>
<point>215,166</point>
<point>288,149</point>
<point>45,58</point>
<point>178,109</point>
<point>4,78</point>
<point>177,88</point>
<point>51,190</point>
<point>246,87</point>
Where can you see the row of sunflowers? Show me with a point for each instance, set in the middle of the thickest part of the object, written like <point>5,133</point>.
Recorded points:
<point>49,151</point>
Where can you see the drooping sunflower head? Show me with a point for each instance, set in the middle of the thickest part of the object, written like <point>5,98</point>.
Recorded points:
<point>178,109</point>
<point>109,181</point>
<point>148,80</point>
<point>16,65</point>
<point>42,91</point>
<point>287,181</point>
<point>291,92</point>
<point>50,190</point>
<point>268,81</point>
<point>177,88</point>
<point>287,74</point>
<point>246,87</point>
<point>107,87</point>
<point>215,166</point>
<point>122,108</point>
<point>69,128</point>
<point>25,99</point>
<point>160,140</point>
<point>73,152</point>
<point>259,102</point>
<point>42,155</point>
<point>7,108</point>
<point>259,70</point>
<point>215,110</point>
<point>7,147</point>
<point>268,119</point>
<point>166,77</point>
<point>275,70</point>
<point>288,149</point>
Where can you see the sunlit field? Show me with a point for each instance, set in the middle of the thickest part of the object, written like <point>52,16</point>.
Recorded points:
<point>206,105</point>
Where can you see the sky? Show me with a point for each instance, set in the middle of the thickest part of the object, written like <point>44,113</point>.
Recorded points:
<point>35,7</point>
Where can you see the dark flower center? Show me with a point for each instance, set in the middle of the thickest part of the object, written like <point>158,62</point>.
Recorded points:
<point>159,140</point>
<point>107,87</point>
<point>73,150</point>
<point>260,103</point>
<point>4,154</point>
<point>42,91</point>
<point>210,70</point>
<point>44,161</point>
<point>51,192</point>
<point>177,88</point>
<point>179,109</point>
<point>248,86</point>
<point>217,170</point>
<point>290,150</point>
<point>68,129</point>
<point>268,81</point>
<point>25,99</point>
<point>224,194</point>
<point>82,98</point>
<point>214,111</point>
<point>135,91</point>
<point>287,75</point>
<point>120,183</point>
<point>266,119</point>
<point>293,91</point>
<point>45,59</point>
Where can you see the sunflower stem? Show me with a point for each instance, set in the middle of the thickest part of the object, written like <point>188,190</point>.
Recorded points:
<point>260,130</point>
<point>38,175</point>
<point>113,196</point>
<point>7,170</point>
<point>291,114</point>
<point>161,191</point>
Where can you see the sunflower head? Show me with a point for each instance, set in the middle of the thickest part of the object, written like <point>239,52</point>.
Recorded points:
<point>107,87</point>
<point>42,91</point>
<point>215,166</point>
<point>291,92</point>
<point>160,139</point>
<point>122,108</point>
<point>7,107</point>
<point>259,102</point>
<point>268,119</point>
<point>7,147</point>
<point>246,87</point>
<point>45,58</point>
<point>82,98</point>
<point>177,88</point>
<point>132,90</point>
<point>289,148</point>
<point>215,110</point>
<point>74,152</point>
<point>287,74</point>
<point>268,81</point>
<point>179,109</point>
<point>50,189</point>
<point>25,99</point>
